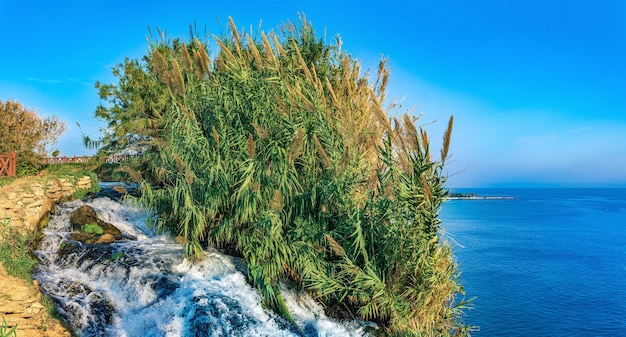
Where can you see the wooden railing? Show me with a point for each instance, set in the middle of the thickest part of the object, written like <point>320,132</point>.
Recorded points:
<point>67,160</point>
<point>8,161</point>
<point>84,159</point>
<point>121,158</point>
<point>8,164</point>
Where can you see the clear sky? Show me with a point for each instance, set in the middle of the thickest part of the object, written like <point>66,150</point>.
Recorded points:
<point>538,88</point>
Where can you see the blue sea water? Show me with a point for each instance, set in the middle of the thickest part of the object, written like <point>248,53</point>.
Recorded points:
<point>550,262</point>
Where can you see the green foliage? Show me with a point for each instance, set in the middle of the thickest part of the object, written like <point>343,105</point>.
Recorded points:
<point>28,165</point>
<point>111,172</point>
<point>117,255</point>
<point>95,187</point>
<point>16,251</point>
<point>92,228</point>
<point>6,180</point>
<point>67,170</point>
<point>283,150</point>
<point>5,331</point>
<point>80,194</point>
<point>50,309</point>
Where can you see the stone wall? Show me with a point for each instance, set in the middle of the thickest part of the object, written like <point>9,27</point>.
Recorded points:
<point>24,203</point>
<point>21,305</point>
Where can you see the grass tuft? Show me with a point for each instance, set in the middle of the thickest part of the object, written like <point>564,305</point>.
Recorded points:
<point>16,251</point>
<point>6,331</point>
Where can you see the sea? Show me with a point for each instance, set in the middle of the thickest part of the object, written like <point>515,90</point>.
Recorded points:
<point>546,262</point>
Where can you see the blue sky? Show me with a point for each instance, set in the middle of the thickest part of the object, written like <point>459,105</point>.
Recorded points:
<point>538,88</point>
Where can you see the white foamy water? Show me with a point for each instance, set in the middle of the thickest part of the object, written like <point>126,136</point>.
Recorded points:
<point>143,287</point>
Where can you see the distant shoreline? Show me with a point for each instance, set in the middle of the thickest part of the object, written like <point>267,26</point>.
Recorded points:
<point>472,196</point>
<point>480,198</point>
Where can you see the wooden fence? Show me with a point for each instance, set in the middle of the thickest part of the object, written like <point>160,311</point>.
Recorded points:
<point>121,158</point>
<point>67,160</point>
<point>84,159</point>
<point>8,161</point>
<point>8,164</point>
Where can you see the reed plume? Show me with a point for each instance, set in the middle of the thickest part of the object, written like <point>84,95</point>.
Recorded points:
<point>237,43</point>
<point>186,58</point>
<point>260,131</point>
<point>178,84</point>
<point>268,49</point>
<point>446,141</point>
<point>295,148</point>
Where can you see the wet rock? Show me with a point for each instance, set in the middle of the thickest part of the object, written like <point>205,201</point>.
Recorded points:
<point>115,191</point>
<point>120,189</point>
<point>91,314</point>
<point>90,229</point>
<point>106,238</point>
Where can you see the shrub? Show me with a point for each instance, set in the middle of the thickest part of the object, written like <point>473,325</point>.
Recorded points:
<point>22,130</point>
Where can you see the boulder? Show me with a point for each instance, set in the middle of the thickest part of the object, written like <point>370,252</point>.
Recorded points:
<point>90,229</point>
<point>106,238</point>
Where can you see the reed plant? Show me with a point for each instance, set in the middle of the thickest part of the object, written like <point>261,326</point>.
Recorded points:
<point>282,149</point>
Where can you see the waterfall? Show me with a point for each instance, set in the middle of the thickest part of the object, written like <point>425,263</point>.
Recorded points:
<point>143,287</point>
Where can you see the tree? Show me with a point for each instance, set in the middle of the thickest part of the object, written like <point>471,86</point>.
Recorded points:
<point>22,130</point>
<point>280,149</point>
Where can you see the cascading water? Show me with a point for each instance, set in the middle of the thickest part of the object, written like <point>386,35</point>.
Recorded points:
<point>143,287</point>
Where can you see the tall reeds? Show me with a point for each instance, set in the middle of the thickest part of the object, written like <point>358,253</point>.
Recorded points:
<point>282,151</point>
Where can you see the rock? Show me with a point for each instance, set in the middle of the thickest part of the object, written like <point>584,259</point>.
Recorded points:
<point>37,305</point>
<point>5,204</point>
<point>83,183</point>
<point>38,191</point>
<point>88,228</point>
<point>120,189</point>
<point>20,304</point>
<point>105,238</point>
<point>28,198</point>
<point>67,249</point>
<point>87,215</point>
<point>87,238</point>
